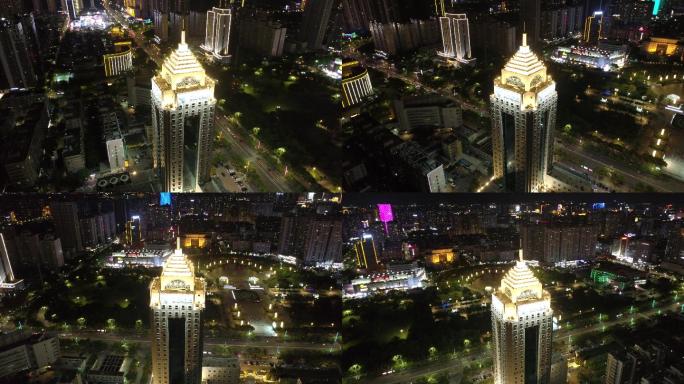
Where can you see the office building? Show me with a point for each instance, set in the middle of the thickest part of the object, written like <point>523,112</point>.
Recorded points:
<point>521,328</point>
<point>455,38</point>
<point>183,106</point>
<point>420,167</point>
<point>427,111</point>
<point>177,299</point>
<point>356,84</point>
<point>220,370</point>
<point>114,141</point>
<point>23,352</point>
<point>109,369</point>
<point>523,108</point>
<point>217,36</point>
<point>315,22</point>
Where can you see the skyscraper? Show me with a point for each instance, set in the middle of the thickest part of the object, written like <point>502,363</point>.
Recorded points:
<point>455,38</point>
<point>315,22</point>
<point>324,241</point>
<point>183,106</point>
<point>217,37</point>
<point>16,65</point>
<point>366,253</point>
<point>177,299</point>
<point>67,224</point>
<point>523,108</point>
<point>72,8</point>
<point>521,328</point>
<point>593,28</point>
<point>6,272</point>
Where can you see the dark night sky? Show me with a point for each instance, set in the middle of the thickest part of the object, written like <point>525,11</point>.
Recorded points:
<point>361,199</point>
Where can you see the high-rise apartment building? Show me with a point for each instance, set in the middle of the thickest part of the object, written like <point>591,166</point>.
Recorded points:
<point>65,218</point>
<point>521,328</point>
<point>261,35</point>
<point>523,108</point>
<point>455,38</point>
<point>177,299</point>
<point>73,8</point>
<point>315,22</point>
<point>552,243</point>
<point>183,106</point>
<point>324,241</point>
<point>16,65</point>
<point>217,37</point>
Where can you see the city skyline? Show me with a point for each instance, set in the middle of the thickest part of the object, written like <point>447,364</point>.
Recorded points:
<point>341,192</point>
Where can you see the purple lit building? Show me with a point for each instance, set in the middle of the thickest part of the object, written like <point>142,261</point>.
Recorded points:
<point>385,214</point>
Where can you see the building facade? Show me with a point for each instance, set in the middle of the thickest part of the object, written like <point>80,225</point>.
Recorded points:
<point>119,61</point>
<point>521,328</point>
<point>356,84</point>
<point>523,108</point>
<point>177,299</point>
<point>183,107</point>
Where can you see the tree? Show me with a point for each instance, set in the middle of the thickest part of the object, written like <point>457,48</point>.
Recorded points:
<point>567,129</point>
<point>279,152</point>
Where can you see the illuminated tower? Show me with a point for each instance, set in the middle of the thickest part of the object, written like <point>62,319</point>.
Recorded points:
<point>593,28</point>
<point>385,215</point>
<point>217,38</point>
<point>523,108</point>
<point>183,106</point>
<point>177,300</point>
<point>366,255</point>
<point>521,328</point>
<point>455,38</point>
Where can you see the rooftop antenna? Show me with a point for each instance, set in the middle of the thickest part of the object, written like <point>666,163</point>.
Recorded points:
<point>183,32</point>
